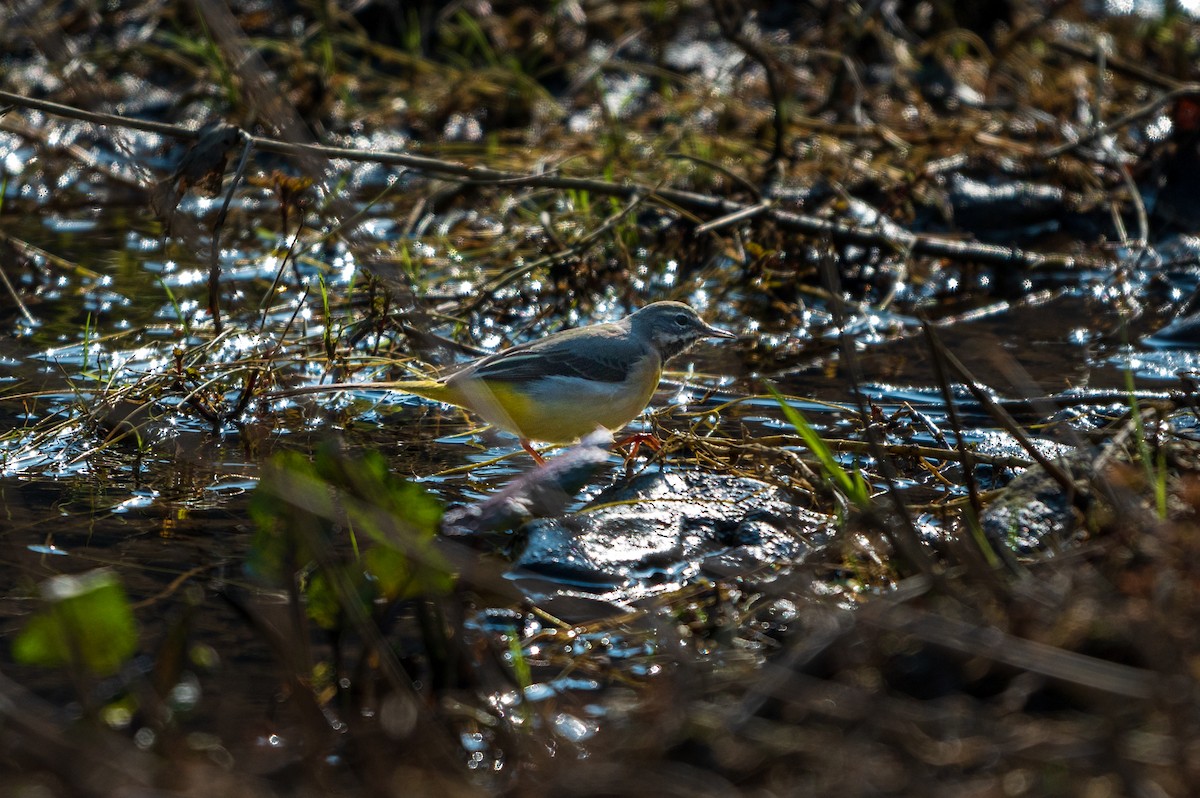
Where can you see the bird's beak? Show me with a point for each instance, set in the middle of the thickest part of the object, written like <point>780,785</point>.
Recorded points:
<point>717,332</point>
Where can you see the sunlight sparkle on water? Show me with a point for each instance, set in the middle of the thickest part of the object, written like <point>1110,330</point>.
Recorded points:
<point>511,292</point>
<point>1149,9</point>
<point>573,728</point>
<point>189,277</point>
<point>684,396</point>
<point>186,693</point>
<point>46,549</point>
<point>344,265</point>
<point>1159,129</point>
<point>66,180</point>
<point>60,136</point>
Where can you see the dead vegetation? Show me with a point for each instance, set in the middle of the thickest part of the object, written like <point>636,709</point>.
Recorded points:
<point>395,186</point>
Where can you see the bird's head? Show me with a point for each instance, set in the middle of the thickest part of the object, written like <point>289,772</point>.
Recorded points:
<point>671,327</point>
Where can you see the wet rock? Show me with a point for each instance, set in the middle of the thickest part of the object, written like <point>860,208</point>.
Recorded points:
<point>662,529</point>
<point>122,418</point>
<point>1035,511</point>
<point>1182,332</point>
<point>1177,260</point>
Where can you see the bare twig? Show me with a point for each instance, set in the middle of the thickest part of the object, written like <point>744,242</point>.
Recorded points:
<point>998,413</point>
<point>727,13</point>
<point>1118,64</point>
<point>737,216</point>
<point>214,269</point>
<point>895,238</point>
<point>1137,114</point>
<point>995,645</point>
<point>16,297</point>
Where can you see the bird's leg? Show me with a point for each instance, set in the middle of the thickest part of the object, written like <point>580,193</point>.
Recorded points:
<point>527,446</point>
<point>639,439</point>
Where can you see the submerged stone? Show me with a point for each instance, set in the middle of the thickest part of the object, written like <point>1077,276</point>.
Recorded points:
<point>662,529</point>
<point>1036,510</point>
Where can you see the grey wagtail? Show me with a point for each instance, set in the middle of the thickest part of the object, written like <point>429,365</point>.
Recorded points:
<point>567,384</point>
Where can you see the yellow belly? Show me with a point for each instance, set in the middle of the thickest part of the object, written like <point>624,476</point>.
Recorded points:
<point>555,409</point>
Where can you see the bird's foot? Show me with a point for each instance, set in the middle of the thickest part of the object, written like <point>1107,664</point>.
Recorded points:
<point>639,439</point>
<point>537,458</point>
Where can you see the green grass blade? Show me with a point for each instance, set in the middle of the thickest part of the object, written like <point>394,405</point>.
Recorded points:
<point>850,483</point>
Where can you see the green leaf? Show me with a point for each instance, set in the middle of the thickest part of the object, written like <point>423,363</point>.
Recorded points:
<point>321,512</point>
<point>322,603</point>
<point>85,620</point>
<point>851,483</point>
<point>393,572</point>
<point>389,569</point>
<point>291,503</point>
<point>367,477</point>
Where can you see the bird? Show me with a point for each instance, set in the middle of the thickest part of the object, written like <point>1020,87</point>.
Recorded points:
<point>562,387</point>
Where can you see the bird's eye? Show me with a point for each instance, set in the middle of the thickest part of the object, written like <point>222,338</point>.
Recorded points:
<point>682,320</point>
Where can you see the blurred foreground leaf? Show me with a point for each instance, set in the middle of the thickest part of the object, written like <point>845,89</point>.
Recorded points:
<point>86,620</point>
<point>359,532</point>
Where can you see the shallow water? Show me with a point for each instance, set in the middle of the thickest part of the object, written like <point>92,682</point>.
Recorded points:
<point>132,434</point>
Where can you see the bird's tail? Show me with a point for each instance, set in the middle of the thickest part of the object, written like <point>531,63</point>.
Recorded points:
<point>429,389</point>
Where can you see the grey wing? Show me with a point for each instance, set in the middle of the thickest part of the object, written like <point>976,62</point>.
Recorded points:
<point>524,365</point>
